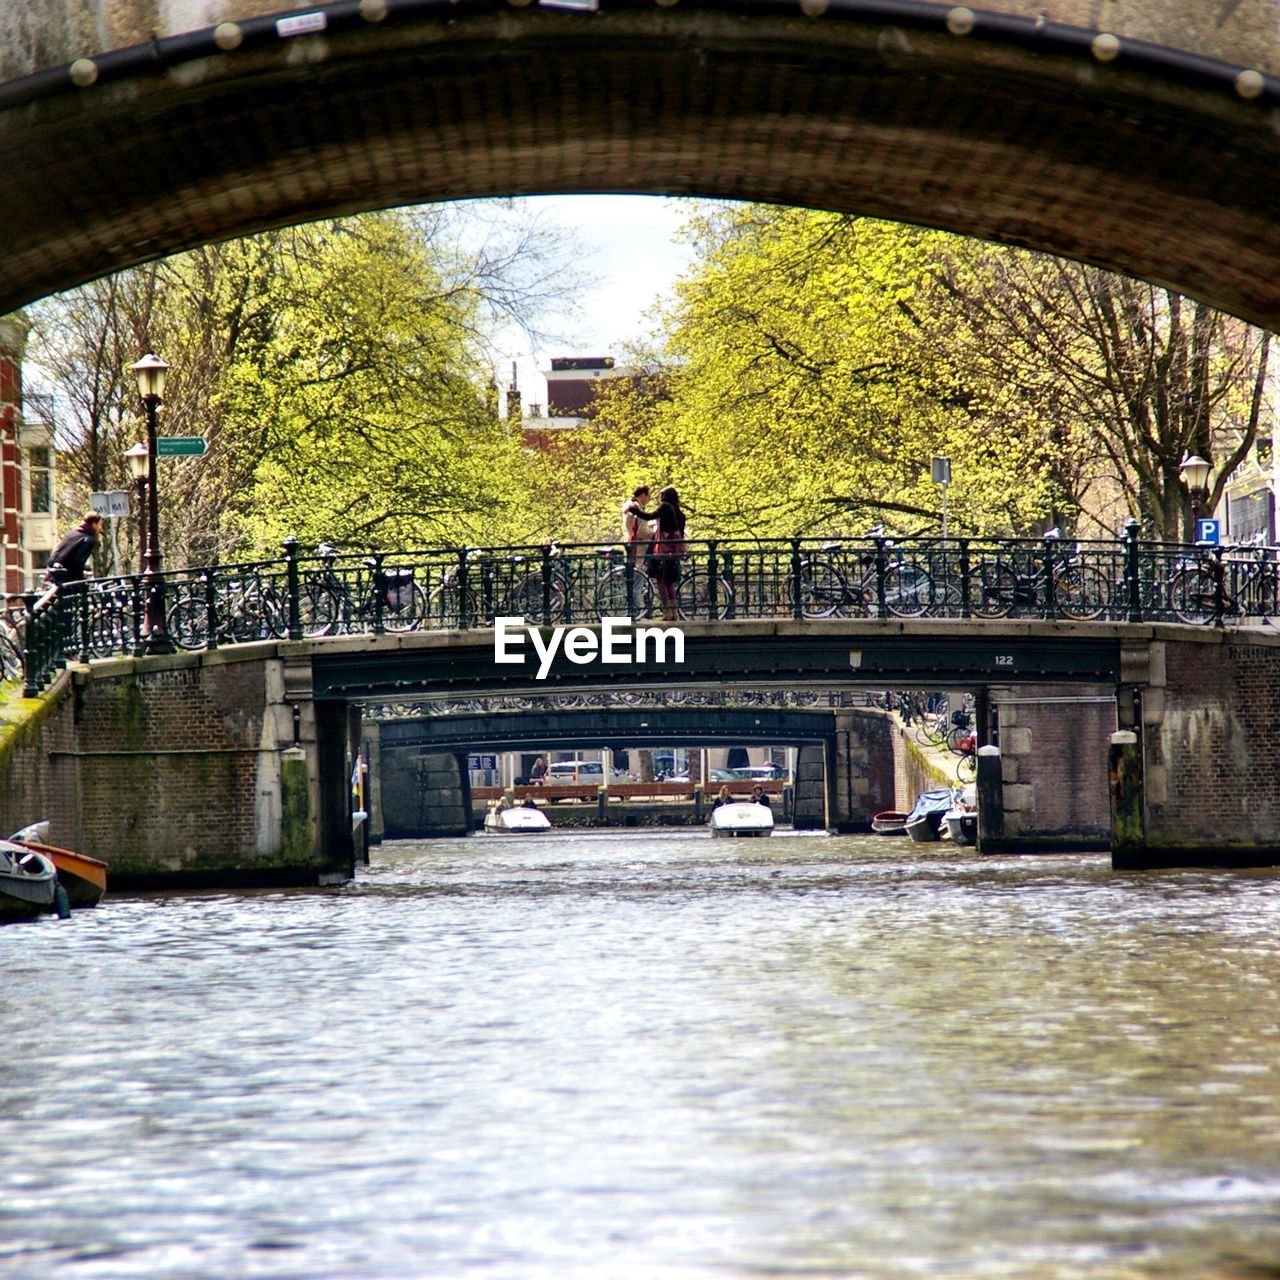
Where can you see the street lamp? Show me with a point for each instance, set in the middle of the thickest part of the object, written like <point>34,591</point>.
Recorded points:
<point>137,458</point>
<point>151,372</point>
<point>1195,474</point>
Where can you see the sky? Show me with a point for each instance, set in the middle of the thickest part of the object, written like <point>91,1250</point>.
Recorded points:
<point>629,246</point>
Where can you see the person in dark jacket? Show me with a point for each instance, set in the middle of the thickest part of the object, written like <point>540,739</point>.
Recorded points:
<point>71,556</point>
<point>668,550</point>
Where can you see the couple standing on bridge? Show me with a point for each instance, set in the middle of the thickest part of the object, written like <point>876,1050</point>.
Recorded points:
<point>657,538</point>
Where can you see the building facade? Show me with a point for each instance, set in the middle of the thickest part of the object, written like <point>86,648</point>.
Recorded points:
<point>28,469</point>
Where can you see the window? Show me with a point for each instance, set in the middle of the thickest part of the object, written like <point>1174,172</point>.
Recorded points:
<point>40,479</point>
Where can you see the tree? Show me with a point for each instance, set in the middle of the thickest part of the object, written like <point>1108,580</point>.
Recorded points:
<point>337,371</point>
<point>1125,377</point>
<point>807,392</point>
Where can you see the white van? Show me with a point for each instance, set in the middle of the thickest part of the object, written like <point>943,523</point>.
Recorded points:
<point>576,771</point>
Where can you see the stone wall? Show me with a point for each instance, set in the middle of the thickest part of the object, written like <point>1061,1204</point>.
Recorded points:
<point>1211,748</point>
<point>43,33</point>
<point>1053,744</point>
<point>180,771</point>
<point>863,770</point>
<point>424,795</point>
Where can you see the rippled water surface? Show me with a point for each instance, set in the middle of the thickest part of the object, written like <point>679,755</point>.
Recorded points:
<point>652,1054</point>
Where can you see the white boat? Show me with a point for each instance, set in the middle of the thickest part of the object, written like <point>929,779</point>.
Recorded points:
<point>520,820</point>
<point>961,820</point>
<point>742,818</point>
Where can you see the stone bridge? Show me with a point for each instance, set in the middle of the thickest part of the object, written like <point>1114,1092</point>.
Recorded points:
<point>1138,136</point>
<point>232,765</point>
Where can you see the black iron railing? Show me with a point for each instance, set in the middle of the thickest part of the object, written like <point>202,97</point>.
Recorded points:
<point>331,592</point>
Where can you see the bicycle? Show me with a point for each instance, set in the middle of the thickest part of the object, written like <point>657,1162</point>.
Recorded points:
<point>1244,585</point>
<point>326,602</point>
<point>822,589</point>
<point>625,590</point>
<point>108,615</point>
<point>693,592</point>
<point>245,609</point>
<point>909,587</point>
<point>1081,592</point>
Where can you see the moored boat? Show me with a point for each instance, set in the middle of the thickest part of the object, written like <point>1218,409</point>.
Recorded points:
<point>961,820</point>
<point>924,822</point>
<point>84,878</point>
<point>962,826</point>
<point>517,821</point>
<point>889,822</point>
<point>741,818</point>
<point>28,882</point>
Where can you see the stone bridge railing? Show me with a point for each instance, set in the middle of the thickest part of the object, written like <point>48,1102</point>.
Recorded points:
<point>331,592</point>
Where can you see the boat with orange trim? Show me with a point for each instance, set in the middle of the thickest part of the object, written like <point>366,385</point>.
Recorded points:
<point>84,878</point>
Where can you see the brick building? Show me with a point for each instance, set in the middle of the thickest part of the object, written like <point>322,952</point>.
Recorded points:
<point>28,471</point>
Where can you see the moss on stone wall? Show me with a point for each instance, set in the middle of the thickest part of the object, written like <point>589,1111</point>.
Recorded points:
<point>295,807</point>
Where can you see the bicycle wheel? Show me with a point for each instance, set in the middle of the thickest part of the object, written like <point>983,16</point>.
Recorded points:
<point>967,767</point>
<point>993,589</point>
<point>188,622</point>
<point>446,606</point>
<point>252,615</point>
<point>406,608</point>
<point>822,589</point>
<point>318,609</point>
<point>108,632</point>
<point>1193,595</point>
<point>611,594</point>
<point>693,598</point>
<point>1260,598</point>
<point>908,591</point>
<point>527,599</point>
<point>1082,592</point>
<point>10,656</point>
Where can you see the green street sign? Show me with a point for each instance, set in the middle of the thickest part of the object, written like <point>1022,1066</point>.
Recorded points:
<point>180,446</point>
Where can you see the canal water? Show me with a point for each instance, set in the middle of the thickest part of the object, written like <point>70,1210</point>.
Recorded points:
<point>652,1054</point>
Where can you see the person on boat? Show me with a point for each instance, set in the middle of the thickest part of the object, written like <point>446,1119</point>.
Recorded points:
<point>70,558</point>
<point>758,796</point>
<point>528,803</point>
<point>723,798</point>
<point>668,551</point>
<point>539,771</point>
<point>503,803</point>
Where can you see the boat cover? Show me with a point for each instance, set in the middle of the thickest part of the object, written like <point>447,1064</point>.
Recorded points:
<point>930,802</point>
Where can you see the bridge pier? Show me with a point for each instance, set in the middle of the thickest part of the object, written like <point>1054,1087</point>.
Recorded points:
<point>425,794</point>
<point>860,770</point>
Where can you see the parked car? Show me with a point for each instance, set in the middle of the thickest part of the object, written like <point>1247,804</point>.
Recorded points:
<point>761,773</point>
<point>579,771</point>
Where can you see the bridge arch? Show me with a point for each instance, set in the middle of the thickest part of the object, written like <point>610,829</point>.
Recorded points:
<point>1158,161</point>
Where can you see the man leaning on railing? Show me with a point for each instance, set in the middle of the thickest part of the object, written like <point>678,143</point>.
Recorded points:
<point>70,558</point>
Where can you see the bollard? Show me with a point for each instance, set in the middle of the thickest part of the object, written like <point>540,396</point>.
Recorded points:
<point>699,798</point>
<point>1124,775</point>
<point>602,805</point>
<point>990,790</point>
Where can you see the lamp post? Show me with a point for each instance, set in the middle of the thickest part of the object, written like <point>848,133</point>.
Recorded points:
<point>1195,474</point>
<point>151,372</point>
<point>137,458</point>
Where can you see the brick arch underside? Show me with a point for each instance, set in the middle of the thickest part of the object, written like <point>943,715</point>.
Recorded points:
<point>1130,170</point>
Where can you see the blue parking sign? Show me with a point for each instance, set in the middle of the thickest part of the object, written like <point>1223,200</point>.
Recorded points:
<point>1209,531</point>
